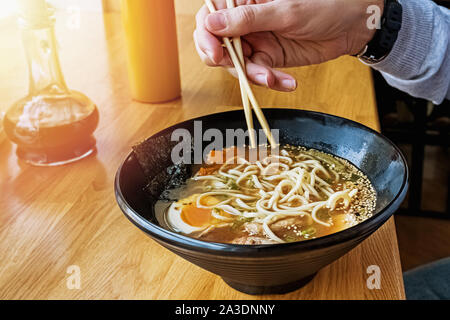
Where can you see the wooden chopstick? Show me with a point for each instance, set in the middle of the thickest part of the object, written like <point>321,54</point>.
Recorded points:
<point>245,101</point>
<point>259,114</point>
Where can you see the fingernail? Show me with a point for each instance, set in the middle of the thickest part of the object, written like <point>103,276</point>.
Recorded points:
<point>261,78</point>
<point>216,21</point>
<point>289,84</point>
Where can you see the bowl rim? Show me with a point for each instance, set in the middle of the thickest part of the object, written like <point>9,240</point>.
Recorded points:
<point>181,241</point>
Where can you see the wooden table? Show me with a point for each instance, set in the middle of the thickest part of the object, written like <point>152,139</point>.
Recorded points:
<point>52,218</point>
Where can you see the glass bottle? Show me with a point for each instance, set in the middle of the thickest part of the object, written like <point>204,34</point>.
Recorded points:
<point>52,125</point>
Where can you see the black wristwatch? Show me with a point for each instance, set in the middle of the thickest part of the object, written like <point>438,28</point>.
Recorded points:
<point>384,39</point>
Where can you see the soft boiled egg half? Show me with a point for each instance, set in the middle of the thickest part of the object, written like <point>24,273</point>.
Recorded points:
<point>185,217</point>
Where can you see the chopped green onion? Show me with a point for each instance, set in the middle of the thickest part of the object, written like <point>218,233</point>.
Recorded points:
<point>309,231</point>
<point>232,184</point>
<point>323,214</point>
<point>290,238</point>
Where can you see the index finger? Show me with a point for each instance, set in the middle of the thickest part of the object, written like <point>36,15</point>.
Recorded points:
<point>206,41</point>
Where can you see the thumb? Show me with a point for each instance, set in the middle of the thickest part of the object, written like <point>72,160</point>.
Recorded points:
<point>245,19</point>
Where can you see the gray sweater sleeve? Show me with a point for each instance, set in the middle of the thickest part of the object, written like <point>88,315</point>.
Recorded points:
<point>419,62</point>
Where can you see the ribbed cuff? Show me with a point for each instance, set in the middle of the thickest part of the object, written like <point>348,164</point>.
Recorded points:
<point>413,42</point>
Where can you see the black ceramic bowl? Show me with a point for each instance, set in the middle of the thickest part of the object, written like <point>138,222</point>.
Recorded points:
<point>278,268</point>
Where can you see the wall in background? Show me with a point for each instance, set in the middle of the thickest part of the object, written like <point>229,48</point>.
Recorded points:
<point>84,5</point>
<point>188,6</point>
<point>111,5</point>
<point>182,6</point>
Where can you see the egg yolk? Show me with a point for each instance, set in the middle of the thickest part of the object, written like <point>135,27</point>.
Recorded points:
<point>196,217</point>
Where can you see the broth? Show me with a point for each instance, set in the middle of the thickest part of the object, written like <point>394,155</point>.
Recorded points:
<point>294,195</point>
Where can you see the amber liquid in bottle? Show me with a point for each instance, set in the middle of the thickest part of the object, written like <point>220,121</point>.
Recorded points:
<point>52,131</point>
<point>52,125</point>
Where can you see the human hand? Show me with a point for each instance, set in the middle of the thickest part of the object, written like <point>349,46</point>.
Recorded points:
<point>283,33</point>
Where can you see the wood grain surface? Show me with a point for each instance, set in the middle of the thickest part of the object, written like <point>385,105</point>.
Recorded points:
<point>52,218</point>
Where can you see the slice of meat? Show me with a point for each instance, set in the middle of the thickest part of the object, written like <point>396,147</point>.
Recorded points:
<point>253,228</point>
<point>283,224</point>
<point>252,240</point>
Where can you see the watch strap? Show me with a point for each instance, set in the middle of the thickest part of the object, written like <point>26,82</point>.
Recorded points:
<point>384,39</point>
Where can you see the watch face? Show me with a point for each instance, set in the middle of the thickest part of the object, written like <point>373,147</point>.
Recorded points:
<point>365,60</point>
<point>370,59</point>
